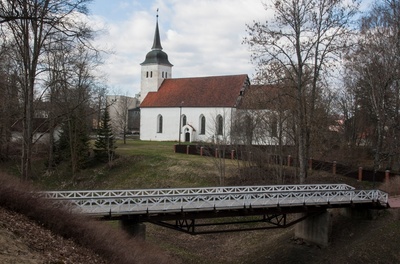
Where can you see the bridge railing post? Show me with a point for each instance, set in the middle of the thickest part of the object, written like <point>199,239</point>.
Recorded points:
<point>360,172</point>
<point>334,167</point>
<point>387,176</point>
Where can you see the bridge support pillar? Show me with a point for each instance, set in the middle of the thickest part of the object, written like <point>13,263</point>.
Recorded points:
<point>360,213</point>
<point>315,228</point>
<point>134,228</point>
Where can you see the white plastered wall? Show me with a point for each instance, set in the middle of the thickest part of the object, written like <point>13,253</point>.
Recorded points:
<point>152,77</point>
<point>171,122</point>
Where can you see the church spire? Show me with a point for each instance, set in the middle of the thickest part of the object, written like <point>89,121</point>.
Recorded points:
<point>156,55</point>
<point>155,68</point>
<point>157,41</point>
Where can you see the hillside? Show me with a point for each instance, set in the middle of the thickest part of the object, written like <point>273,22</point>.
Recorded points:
<point>40,235</point>
<point>354,241</point>
<point>32,230</point>
<point>24,241</point>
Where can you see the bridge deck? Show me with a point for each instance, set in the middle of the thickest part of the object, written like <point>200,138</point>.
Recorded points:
<point>185,200</point>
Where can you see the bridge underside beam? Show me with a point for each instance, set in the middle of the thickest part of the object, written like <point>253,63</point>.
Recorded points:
<point>244,219</point>
<point>218,213</point>
<point>231,224</point>
<point>213,213</point>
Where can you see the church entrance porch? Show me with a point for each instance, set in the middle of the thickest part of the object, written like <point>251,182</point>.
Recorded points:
<point>188,131</point>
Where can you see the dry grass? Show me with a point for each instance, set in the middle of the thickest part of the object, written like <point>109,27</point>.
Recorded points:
<point>108,242</point>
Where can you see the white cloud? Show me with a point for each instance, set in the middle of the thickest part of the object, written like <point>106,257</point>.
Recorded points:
<point>201,38</point>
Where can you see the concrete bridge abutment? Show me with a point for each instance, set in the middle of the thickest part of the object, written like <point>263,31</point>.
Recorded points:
<point>360,213</point>
<point>133,228</point>
<point>316,228</point>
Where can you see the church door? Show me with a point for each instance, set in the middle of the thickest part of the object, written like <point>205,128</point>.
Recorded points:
<point>187,136</point>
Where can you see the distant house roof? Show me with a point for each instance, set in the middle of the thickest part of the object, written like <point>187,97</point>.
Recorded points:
<point>39,125</point>
<point>213,91</point>
<point>263,97</point>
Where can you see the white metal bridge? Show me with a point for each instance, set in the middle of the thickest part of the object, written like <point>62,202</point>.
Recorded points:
<point>188,200</point>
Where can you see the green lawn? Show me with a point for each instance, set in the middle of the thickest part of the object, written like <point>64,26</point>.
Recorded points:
<point>151,164</point>
<point>140,164</point>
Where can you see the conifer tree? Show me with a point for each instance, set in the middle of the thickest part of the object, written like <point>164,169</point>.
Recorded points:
<point>73,145</point>
<point>105,142</point>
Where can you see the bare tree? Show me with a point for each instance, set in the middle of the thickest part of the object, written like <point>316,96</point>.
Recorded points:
<point>69,89</point>
<point>299,45</point>
<point>30,25</point>
<point>74,104</point>
<point>218,131</point>
<point>9,106</point>
<point>119,108</point>
<point>373,66</point>
<point>260,120</point>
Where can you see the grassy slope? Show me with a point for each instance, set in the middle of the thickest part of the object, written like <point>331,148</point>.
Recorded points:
<point>141,165</point>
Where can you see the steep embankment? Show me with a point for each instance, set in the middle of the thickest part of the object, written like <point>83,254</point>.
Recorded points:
<point>24,241</point>
<point>33,231</point>
<point>354,241</point>
<point>38,233</point>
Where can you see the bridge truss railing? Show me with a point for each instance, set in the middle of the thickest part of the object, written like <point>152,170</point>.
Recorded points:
<point>193,191</point>
<point>217,198</point>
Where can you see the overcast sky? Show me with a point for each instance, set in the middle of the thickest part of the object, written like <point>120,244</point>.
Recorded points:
<point>201,37</point>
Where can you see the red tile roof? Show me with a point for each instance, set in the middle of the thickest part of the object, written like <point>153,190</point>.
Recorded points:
<point>214,91</point>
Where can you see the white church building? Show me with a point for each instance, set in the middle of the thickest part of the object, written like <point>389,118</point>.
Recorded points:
<point>186,109</point>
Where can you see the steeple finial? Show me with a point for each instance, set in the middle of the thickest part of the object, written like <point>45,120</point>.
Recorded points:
<point>157,41</point>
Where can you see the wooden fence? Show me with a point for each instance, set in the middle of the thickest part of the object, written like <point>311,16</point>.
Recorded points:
<point>242,152</point>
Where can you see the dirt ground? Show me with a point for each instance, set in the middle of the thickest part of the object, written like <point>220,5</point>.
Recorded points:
<point>24,241</point>
<point>352,241</point>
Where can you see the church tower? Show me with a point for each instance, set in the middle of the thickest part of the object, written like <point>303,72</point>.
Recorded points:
<point>155,67</point>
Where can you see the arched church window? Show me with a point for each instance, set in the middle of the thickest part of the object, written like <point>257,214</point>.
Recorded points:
<point>151,74</point>
<point>220,123</point>
<point>159,124</point>
<point>147,74</point>
<point>183,120</point>
<point>166,75</point>
<point>202,125</point>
